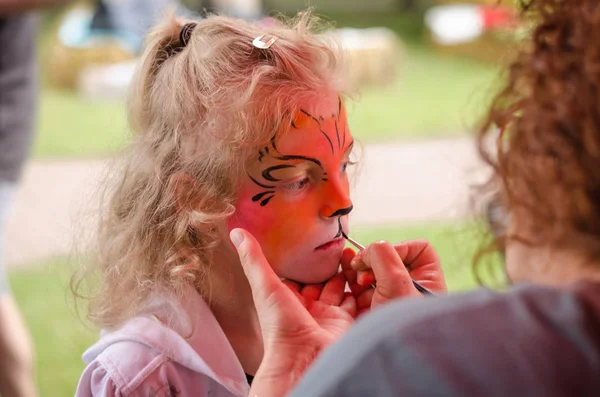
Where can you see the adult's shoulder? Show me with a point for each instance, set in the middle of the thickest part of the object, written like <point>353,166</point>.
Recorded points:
<point>468,344</point>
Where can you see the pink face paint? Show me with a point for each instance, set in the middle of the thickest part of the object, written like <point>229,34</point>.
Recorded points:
<point>296,198</point>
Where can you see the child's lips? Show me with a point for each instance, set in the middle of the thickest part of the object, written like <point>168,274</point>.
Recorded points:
<point>333,244</point>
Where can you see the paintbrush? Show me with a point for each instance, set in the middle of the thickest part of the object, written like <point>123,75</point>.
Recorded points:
<point>361,247</point>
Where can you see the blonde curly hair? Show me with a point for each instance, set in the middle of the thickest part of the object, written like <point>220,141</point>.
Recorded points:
<point>199,110</point>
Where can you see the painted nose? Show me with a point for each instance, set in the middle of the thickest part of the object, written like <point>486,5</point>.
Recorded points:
<point>336,197</point>
<point>344,208</point>
<point>342,212</point>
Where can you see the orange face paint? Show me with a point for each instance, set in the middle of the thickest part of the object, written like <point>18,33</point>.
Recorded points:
<point>296,198</point>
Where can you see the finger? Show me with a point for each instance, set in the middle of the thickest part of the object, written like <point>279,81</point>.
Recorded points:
<point>423,263</point>
<point>279,309</point>
<point>358,289</point>
<point>351,274</point>
<point>271,297</point>
<point>333,291</point>
<point>347,255</point>
<point>357,262</point>
<point>349,304</point>
<point>295,288</point>
<point>312,292</point>
<point>292,285</point>
<point>365,299</point>
<point>259,273</point>
<point>360,312</point>
<point>366,278</point>
<point>393,279</point>
<point>417,253</point>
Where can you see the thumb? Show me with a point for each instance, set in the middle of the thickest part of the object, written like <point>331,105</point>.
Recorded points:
<point>259,273</point>
<point>279,309</point>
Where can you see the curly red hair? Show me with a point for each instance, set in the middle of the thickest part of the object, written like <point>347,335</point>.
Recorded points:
<point>548,159</point>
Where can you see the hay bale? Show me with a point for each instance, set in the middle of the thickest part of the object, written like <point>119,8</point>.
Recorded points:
<point>67,59</point>
<point>67,63</point>
<point>374,54</point>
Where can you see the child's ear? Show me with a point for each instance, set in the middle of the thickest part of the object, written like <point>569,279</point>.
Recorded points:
<point>182,187</point>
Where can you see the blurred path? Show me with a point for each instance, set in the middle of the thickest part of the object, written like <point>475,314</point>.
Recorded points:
<point>397,182</point>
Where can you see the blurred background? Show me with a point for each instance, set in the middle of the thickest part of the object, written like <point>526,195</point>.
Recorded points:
<point>425,71</point>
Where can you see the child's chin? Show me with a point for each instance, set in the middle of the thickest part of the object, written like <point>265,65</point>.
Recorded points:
<point>316,271</point>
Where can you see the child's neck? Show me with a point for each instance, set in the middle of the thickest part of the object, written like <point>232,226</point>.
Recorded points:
<point>231,303</point>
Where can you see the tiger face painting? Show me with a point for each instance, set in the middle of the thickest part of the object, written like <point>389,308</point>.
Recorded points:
<point>295,200</point>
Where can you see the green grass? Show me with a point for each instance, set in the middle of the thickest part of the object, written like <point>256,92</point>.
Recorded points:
<point>61,338</point>
<point>71,127</point>
<point>435,96</point>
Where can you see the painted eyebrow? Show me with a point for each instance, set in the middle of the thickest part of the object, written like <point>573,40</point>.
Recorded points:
<point>267,172</point>
<point>296,170</point>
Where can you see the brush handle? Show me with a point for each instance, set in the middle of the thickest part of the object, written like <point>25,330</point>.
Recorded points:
<point>422,289</point>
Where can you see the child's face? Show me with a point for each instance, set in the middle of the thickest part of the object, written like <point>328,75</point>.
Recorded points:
<point>295,200</point>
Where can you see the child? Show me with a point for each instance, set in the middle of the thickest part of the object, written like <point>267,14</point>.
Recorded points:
<point>236,126</point>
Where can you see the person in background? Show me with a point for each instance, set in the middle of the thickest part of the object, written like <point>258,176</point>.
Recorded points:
<point>18,93</point>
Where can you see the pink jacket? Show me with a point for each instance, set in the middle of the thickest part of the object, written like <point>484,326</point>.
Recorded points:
<point>145,357</point>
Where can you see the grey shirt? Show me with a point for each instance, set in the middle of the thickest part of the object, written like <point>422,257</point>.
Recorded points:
<point>531,341</point>
<point>17,92</point>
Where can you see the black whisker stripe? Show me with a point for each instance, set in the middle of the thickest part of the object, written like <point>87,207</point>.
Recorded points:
<point>266,201</point>
<point>261,195</point>
<point>344,140</point>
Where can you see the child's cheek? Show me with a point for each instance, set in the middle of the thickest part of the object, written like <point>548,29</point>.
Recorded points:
<point>250,216</point>
<point>284,220</point>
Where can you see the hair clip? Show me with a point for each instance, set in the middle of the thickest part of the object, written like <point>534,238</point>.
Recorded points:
<point>186,32</point>
<point>259,43</point>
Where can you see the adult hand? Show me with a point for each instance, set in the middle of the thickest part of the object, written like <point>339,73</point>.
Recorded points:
<point>392,267</point>
<point>296,322</point>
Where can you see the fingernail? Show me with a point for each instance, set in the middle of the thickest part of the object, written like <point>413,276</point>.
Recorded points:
<point>237,237</point>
